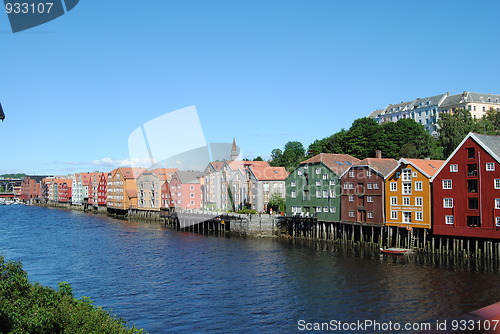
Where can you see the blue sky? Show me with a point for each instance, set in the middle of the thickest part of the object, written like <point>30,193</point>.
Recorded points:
<point>264,72</point>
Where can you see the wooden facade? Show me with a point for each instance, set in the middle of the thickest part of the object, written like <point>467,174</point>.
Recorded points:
<point>467,190</point>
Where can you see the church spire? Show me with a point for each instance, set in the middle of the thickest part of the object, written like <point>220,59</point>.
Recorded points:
<point>234,151</point>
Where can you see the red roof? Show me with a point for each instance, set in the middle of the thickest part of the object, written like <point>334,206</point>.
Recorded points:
<point>338,163</point>
<point>381,165</point>
<point>164,174</point>
<point>268,173</point>
<point>429,167</point>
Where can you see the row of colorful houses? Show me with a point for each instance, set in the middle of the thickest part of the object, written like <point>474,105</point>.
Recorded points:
<point>224,185</point>
<point>458,197</point>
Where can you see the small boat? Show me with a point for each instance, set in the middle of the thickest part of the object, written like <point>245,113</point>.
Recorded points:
<point>396,251</point>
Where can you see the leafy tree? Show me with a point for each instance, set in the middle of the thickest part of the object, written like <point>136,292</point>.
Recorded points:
<point>454,127</point>
<point>490,123</point>
<point>259,158</point>
<point>407,138</point>
<point>363,138</point>
<point>276,158</point>
<point>32,308</point>
<point>317,147</point>
<point>277,203</point>
<point>293,154</point>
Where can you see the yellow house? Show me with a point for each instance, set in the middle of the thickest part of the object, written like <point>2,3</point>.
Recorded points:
<point>408,193</point>
<point>122,188</point>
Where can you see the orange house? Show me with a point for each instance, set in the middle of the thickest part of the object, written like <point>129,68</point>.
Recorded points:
<point>122,188</point>
<point>408,193</point>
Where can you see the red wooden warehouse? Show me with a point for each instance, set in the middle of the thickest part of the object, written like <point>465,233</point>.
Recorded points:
<point>466,190</point>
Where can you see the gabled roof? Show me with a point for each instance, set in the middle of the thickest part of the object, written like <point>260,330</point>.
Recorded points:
<point>189,177</point>
<point>425,166</point>
<point>164,174</point>
<point>241,165</point>
<point>338,163</point>
<point>490,144</point>
<point>131,172</point>
<point>268,173</point>
<point>381,166</point>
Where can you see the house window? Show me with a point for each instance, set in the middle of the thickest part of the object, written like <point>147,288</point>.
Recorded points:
<point>497,221</point>
<point>332,193</point>
<point>296,209</point>
<point>346,185</point>
<point>406,217</point>
<point>394,215</point>
<point>351,198</point>
<point>394,186</point>
<point>325,176</point>
<point>406,200</point>
<point>325,209</point>
<point>471,153</point>
<point>473,221</point>
<point>419,201</point>
<point>318,183</point>
<point>375,186</point>
<point>471,170</point>
<point>419,215</point>
<point>265,186</point>
<point>351,173</point>
<point>497,183</point>
<point>351,185</point>
<point>191,195</point>
<point>454,168</point>
<point>369,199</point>
<point>448,220</point>
<point>325,193</point>
<point>473,203</point>
<point>418,186</point>
<point>447,184</point>
<point>293,194</point>
<point>406,175</point>
<point>318,193</point>
<point>368,173</point>
<point>318,209</point>
<point>407,188</point>
<point>318,171</point>
<point>191,188</point>
<point>369,186</point>
<point>332,182</point>
<point>447,202</point>
<point>472,186</point>
<point>490,166</point>
<point>293,184</point>
<point>414,174</point>
<point>351,214</point>
<point>394,200</point>
<point>497,203</point>
<point>332,209</point>
<point>299,172</point>
<point>370,214</point>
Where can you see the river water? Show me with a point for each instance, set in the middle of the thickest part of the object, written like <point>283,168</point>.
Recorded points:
<point>171,282</point>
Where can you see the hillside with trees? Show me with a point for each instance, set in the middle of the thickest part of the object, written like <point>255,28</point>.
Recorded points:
<point>404,138</point>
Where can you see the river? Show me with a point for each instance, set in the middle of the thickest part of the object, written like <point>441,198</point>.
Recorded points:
<point>171,282</point>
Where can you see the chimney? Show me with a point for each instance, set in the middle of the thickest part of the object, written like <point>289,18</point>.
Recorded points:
<point>378,154</point>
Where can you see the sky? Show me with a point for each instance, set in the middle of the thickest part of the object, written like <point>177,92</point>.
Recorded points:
<point>261,72</point>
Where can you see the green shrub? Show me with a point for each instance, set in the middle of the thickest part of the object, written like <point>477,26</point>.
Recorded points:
<point>32,308</point>
<point>247,212</point>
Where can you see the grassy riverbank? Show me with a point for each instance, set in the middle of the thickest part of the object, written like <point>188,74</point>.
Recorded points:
<point>27,307</point>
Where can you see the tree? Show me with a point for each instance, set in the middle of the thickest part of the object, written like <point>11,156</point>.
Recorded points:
<point>407,139</point>
<point>293,154</point>
<point>363,138</point>
<point>277,203</point>
<point>454,127</point>
<point>259,158</point>
<point>276,158</point>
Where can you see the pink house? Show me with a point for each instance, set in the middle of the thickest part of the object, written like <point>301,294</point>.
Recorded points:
<point>187,190</point>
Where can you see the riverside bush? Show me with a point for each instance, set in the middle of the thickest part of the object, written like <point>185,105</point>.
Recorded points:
<point>32,308</point>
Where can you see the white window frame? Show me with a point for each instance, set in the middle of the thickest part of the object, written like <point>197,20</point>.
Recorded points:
<point>351,198</point>
<point>418,186</point>
<point>497,221</point>
<point>332,182</point>
<point>325,209</point>
<point>419,201</point>
<point>406,201</point>
<point>447,203</point>
<point>333,209</point>
<point>406,174</point>
<point>407,188</point>
<point>449,220</point>
<point>497,203</point>
<point>375,186</point>
<point>394,186</point>
<point>318,193</point>
<point>368,173</point>
<point>293,183</point>
<point>332,193</point>
<point>369,199</point>
<point>318,171</point>
<point>419,215</point>
<point>497,183</point>
<point>394,215</point>
<point>394,200</point>
<point>490,166</point>
<point>293,194</point>
<point>453,168</point>
<point>369,215</point>
<point>319,209</point>
<point>352,214</point>
<point>325,176</point>
<point>369,186</point>
<point>351,173</point>
<point>325,193</point>
<point>406,215</point>
<point>318,183</point>
<point>448,184</point>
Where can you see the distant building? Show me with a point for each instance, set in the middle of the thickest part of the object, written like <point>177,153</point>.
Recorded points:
<point>363,190</point>
<point>466,190</point>
<point>31,187</point>
<point>149,186</point>
<point>187,190</point>
<point>122,188</point>
<point>313,188</point>
<point>265,181</point>
<point>426,111</point>
<point>408,198</point>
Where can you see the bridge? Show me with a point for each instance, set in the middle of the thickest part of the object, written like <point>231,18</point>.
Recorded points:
<point>8,185</point>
